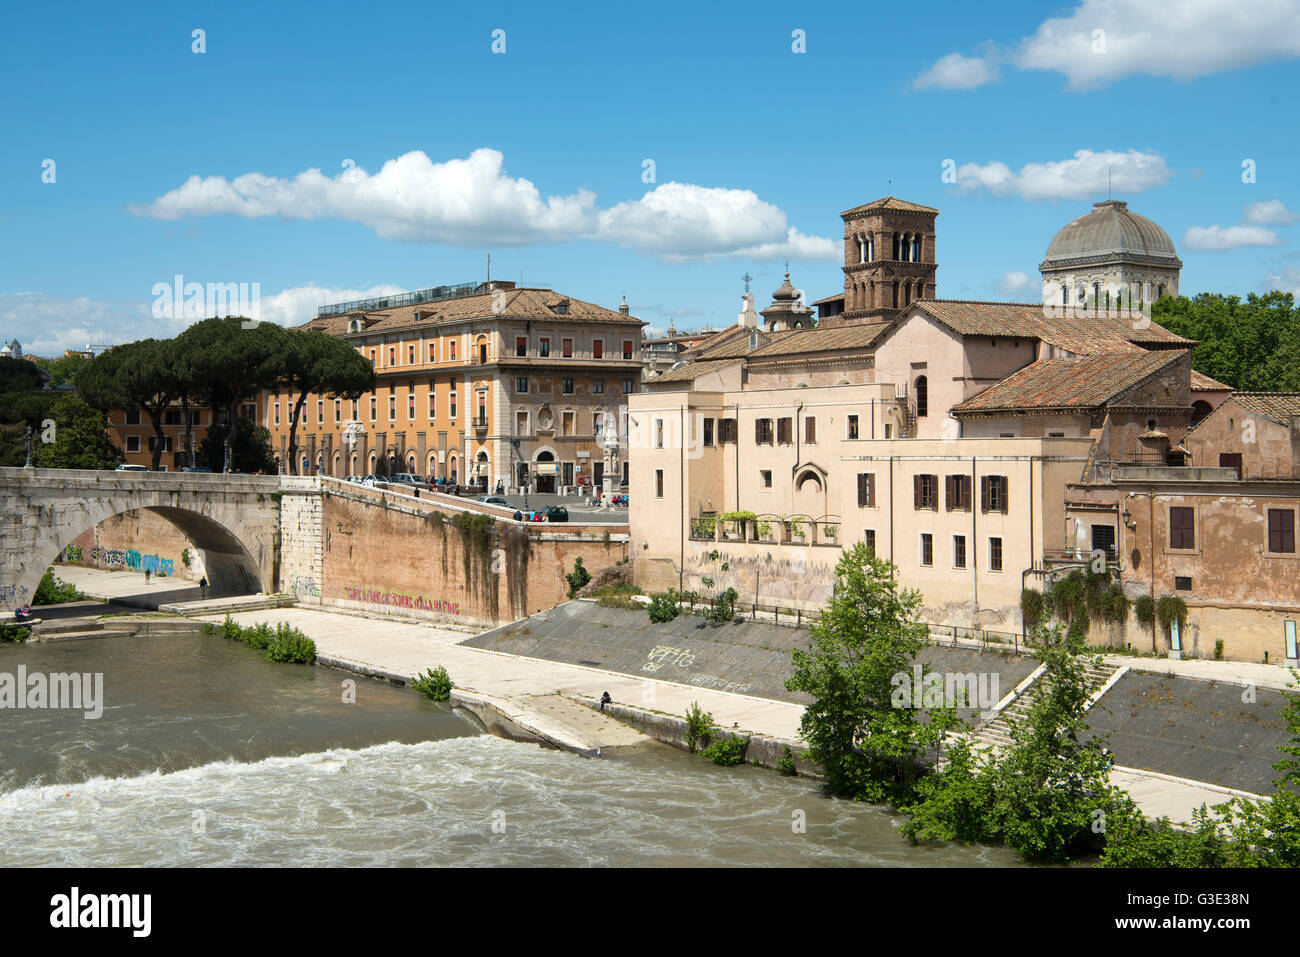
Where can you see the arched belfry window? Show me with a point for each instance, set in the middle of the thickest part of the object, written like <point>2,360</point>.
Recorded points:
<point>922,397</point>
<point>1065,296</point>
<point>871,248</point>
<point>916,248</point>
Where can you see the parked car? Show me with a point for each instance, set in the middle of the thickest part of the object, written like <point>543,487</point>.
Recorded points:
<point>131,468</point>
<point>370,481</point>
<point>556,513</point>
<point>495,500</point>
<point>197,468</point>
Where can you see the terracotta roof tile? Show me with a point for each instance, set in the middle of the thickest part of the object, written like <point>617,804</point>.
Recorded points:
<point>1203,383</point>
<point>836,338</point>
<point>508,304</point>
<point>689,373</point>
<point>1278,406</point>
<point>1085,382</point>
<point>891,203</point>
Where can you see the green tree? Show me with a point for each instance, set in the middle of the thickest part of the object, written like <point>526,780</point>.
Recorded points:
<point>250,452</point>
<point>19,375</point>
<point>135,375</point>
<point>317,363</point>
<point>1250,345</point>
<point>63,371</point>
<point>80,438</point>
<point>870,633</point>
<point>227,365</point>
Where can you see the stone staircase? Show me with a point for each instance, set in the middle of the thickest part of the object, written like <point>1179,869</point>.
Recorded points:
<point>996,732</point>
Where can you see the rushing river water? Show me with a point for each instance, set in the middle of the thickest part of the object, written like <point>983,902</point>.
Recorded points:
<point>207,755</point>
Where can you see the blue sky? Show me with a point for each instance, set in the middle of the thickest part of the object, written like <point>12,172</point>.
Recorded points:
<point>536,154</point>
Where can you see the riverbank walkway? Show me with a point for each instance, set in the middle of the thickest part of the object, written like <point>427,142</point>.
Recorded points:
<point>526,686</point>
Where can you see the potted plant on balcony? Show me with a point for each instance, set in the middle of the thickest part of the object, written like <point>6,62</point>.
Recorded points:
<point>735,525</point>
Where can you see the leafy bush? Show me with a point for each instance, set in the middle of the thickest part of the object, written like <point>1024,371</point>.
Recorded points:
<point>727,750</point>
<point>1031,606</point>
<point>10,632</point>
<point>1144,609</point>
<point>699,726</point>
<point>724,609</point>
<point>435,684</point>
<point>785,763</point>
<point>1218,650</point>
<point>288,644</point>
<point>577,578</point>
<point>663,608</point>
<point>257,636</point>
<point>1171,608</point>
<point>55,591</point>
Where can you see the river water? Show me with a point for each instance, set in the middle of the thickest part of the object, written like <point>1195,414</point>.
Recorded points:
<point>207,755</point>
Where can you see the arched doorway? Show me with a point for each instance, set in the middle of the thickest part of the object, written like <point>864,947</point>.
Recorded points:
<point>481,469</point>
<point>352,464</point>
<point>338,465</point>
<point>1200,409</point>
<point>370,466</point>
<point>545,470</point>
<point>432,472</point>
<point>453,470</point>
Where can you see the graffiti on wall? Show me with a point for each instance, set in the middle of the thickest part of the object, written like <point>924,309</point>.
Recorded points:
<point>130,558</point>
<point>392,599</point>
<point>72,553</point>
<point>11,596</point>
<point>305,585</point>
<point>666,656</point>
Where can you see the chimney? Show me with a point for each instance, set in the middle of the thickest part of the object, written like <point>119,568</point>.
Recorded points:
<point>748,318</point>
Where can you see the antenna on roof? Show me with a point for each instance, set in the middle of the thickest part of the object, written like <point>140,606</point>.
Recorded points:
<point>489,276</point>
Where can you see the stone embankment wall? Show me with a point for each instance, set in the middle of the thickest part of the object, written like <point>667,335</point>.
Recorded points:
<point>431,559</point>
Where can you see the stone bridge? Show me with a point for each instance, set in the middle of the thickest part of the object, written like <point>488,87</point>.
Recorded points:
<point>233,520</point>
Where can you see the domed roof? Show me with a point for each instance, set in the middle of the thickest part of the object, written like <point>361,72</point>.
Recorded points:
<point>1110,230</point>
<point>786,292</point>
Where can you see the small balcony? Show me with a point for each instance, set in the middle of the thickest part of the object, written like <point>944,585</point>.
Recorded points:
<point>479,423</point>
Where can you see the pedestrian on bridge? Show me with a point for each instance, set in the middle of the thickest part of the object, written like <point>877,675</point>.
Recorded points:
<point>203,586</point>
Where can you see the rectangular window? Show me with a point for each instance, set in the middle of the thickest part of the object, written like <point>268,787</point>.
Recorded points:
<point>521,384</point>
<point>171,417</point>
<point>1182,583</point>
<point>1182,527</point>
<point>993,493</point>
<point>785,431</point>
<point>763,431</point>
<point>866,490</point>
<point>810,430</point>
<point>521,423</point>
<point>869,539</point>
<point>277,414</point>
<point>959,551</point>
<point>338,411</point>
<point>927,548</point>
<point>598,387</point>
<point>628,386</point>
<point>392,407</point>
<point>410,355</point>
<point>925,491</point>
<point>410,405</point>
<point>598,348</point>
<point>728,431</point>
<point>392,355</point>
<point>627,348</point>
<point>708,433</point>
<point>320,411</point>
<point>1230,460</point>
<point>566,347</point>
<point>659,433</point>
<point>957,493</point>
<point>544,346</point>
<point>374,408</point>
<point>1281,530</point>
<point>659,483</point>
<point>372,358</point>
<point>433,403</point>
<point>765,477</point>
<point>133,443</point>
<point>1103,540</point>
<point>133,417</point>
<point>521,345</point>
<point>995,554</point>
<point>567,424</point>
<point>451,350</point>
<point>853,426</point>
<point>451,406</point>
<point>598,424</point>
<point>433,352</point>
<point>194,418</point>
<point>566,386</point>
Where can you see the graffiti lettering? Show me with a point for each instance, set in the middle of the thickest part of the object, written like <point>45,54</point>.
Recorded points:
<point>373,596</point>
<point>72,553</point>
<point>302,585</point>
<point>130,558</point>
<point>12,595</point>
<point>662,655</point>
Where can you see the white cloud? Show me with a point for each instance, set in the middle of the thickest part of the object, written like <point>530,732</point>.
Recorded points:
<point>1270,212</point>
<point>1102,41</point>
<point>1013,283</point>
<point>472,202</point>
<point>291,307</point>
<point>957,72</point>
<point>1085,175</point>
<point>1207,238</point>
<point>1288,280</point>
<point>48,325</point>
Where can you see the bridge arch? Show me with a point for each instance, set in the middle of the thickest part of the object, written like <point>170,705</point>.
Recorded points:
<point>233,521</point>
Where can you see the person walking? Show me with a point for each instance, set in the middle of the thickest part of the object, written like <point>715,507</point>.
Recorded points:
<point>203,586</point>
<point>147,573</point>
